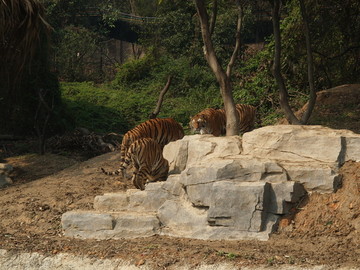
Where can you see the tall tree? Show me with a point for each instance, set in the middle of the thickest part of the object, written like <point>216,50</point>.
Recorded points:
<point>223,77</point>
<point>310,64</point>
<point>284,101</point>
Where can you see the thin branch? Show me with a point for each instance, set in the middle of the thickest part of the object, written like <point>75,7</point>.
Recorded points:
<point>43,102</point>
<point>338,55</point>
<point>6,137</point>
<point>213,17</point>
<point>155,113</point>
<point>41,131</point>
<point>240,20</point>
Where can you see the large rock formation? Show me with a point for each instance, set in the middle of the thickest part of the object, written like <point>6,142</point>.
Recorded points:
<point>224,187</point>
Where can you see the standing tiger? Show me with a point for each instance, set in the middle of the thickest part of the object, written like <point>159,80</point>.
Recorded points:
<point>209,121</point>
<point>213,121</point>
<point>161,130</point>
<point>145,155</point>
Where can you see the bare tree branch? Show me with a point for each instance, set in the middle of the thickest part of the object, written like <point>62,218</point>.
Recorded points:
<point>155,113</point>
<point>37,125</point>
<point>213,17</point>
<point>238,36</point>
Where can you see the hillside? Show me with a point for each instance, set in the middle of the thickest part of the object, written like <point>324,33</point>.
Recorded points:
<point>322,230</point>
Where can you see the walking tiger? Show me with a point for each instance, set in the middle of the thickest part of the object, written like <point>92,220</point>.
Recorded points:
<point>160,130</point>
<point>213,121</point>
<point>145,155</point>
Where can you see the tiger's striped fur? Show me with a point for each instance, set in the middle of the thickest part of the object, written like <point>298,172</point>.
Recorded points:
<point>247,115</point>
<point>162,130</point>
<point>145,155</point>
<point>213,121</point>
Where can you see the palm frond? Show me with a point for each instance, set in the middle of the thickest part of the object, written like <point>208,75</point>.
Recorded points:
<point>21,24</point>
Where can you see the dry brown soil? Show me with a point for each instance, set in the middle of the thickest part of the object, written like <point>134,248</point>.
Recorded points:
<point>322,229</point>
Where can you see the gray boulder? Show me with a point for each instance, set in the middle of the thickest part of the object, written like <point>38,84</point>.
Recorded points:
<point>229,188</point>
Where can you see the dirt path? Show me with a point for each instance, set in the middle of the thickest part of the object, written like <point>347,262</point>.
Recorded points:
<point>325,229</point>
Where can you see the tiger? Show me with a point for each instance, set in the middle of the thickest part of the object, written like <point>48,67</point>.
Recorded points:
<point>162,130</point>
<point>213,121</point>
<point>145,156</point>
<point>209,121</point>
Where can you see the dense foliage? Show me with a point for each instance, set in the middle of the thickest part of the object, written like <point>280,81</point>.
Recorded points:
<point>171,44</point>
<point>132,96</point>
<point>174,47</point>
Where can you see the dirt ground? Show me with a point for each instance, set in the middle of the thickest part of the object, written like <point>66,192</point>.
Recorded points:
<point>322,230</point>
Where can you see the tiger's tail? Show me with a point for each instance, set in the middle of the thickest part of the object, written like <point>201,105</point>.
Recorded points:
<point>117,172</point>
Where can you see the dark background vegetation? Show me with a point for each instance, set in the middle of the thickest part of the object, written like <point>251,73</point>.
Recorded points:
<point>89,79</point>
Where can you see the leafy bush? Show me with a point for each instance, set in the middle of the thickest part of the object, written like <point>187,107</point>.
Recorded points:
<point>129,99</point>
<point>102,109</point>
<point>192,89</point>
<point>133,71</point>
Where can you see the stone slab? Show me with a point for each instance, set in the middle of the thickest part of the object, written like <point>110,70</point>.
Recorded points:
<point>315,177</point>
<point>294,143</point>
<point>283,195</point>
<point>240,205</point>
<point>86,221</point>
<point>112,202</point>
<point>241,169</point>
<point>94,225</point>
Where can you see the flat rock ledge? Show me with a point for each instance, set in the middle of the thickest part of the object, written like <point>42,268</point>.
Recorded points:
<point>224,188</point>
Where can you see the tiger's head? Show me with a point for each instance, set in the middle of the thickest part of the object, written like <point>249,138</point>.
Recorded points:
<point>199,124</point>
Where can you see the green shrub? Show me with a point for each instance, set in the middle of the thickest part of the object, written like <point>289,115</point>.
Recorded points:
<point>102,109</point>
<point>133,72</point>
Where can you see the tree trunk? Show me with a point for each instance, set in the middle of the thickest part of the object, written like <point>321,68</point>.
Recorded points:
<point>284,102</point>
<point>232,119</point>
<point>310,63</point>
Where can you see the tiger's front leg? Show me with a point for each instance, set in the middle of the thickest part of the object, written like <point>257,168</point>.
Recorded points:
<point>139,179</point>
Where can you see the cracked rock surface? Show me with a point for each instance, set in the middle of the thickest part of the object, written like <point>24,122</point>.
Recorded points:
<point>228,188</point>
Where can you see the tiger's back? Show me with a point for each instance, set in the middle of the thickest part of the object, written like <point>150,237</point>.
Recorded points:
<point>149,164</point>
<point>162,130</point>
<point>247,115</point>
